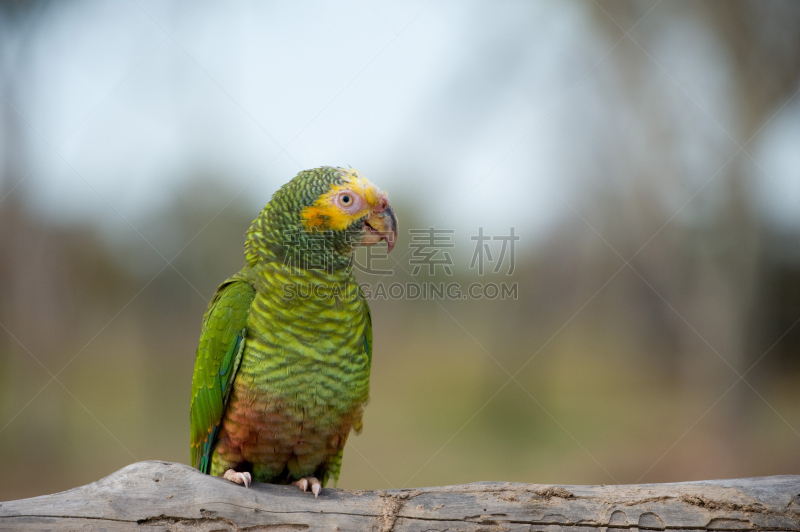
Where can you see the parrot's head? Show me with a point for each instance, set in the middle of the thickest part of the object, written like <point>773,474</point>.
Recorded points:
<point>323,214</point>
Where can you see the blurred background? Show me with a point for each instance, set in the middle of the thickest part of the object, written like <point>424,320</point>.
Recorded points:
<point>646,153</point>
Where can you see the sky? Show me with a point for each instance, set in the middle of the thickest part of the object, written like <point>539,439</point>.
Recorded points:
<point>473,116</point>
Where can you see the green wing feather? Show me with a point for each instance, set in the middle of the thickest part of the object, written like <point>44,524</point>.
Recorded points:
<point>218,357</point>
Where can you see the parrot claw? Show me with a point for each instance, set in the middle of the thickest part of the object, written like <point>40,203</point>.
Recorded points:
<point>303,484</point>
<point>238,478</point>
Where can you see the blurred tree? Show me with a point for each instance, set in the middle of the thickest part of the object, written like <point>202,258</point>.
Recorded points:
<point>16,21</point>
<point>712,273</point>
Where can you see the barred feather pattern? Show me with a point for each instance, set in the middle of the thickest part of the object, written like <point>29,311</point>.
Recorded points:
<point>303,380</point>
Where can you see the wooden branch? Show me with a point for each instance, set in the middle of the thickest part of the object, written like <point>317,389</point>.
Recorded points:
<point>167,496</point>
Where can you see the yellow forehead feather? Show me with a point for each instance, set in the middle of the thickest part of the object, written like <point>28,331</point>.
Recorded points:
<point>324,214</point>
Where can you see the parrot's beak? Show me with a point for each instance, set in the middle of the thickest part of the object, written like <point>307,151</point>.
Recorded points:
<point>381,225</point>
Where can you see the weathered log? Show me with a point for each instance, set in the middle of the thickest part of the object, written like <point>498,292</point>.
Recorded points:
<point>168,496</point>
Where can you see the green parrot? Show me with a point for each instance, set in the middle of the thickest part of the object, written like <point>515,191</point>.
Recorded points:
<point>282,367</point>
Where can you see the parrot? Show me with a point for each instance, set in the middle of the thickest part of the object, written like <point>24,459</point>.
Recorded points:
<point>281,373</point>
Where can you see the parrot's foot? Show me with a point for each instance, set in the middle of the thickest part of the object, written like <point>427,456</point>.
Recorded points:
<point>238,478</point>
<point>303,484</point>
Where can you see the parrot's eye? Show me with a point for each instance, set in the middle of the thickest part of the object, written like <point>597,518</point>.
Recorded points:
<point>349,201</point>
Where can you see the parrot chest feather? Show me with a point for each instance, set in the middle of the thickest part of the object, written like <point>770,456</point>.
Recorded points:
<point>303,380</point>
